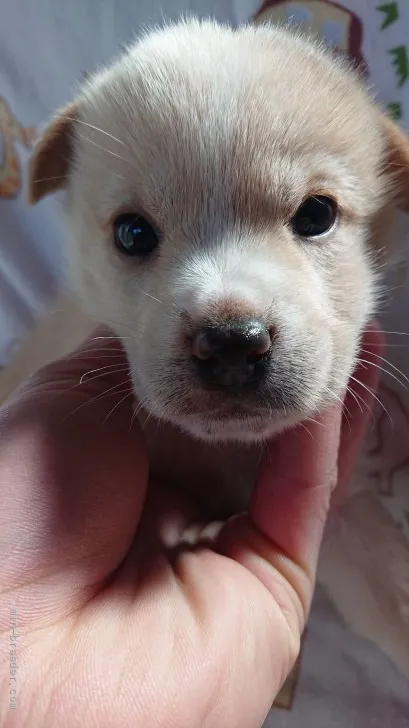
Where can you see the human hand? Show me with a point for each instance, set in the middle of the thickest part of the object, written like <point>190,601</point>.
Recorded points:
<point>129,610</point>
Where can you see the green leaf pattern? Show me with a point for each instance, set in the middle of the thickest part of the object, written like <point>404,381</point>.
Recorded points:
<point>399,54</point>
<point>391,13</point>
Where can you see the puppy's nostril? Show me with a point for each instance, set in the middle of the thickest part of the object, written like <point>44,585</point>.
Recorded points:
<point>259,339</point>
<point>202,346</point>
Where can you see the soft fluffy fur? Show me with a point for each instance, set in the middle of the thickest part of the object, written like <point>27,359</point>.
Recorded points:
<point>217,136</point>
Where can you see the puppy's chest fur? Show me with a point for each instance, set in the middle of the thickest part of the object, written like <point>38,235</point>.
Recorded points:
<point>218,476</point>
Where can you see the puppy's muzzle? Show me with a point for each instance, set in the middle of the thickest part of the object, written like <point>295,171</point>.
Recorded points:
<point>232,354</point>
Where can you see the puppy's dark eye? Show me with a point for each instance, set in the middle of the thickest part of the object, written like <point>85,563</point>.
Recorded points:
<point>316,216</point>
<point>134,235</point>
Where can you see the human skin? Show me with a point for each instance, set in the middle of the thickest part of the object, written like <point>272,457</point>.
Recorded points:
<point>131,610</point>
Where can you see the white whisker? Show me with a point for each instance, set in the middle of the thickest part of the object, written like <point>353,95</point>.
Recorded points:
<point>382,358</point>
<point>375,397</point>
<point>384,331</point>
<point>108,369</point>
<point>384,371</point>
<point>96,128</point>
<point>103,149</point>
<point>128,394</point>
<point>304,426</point>
<point>360,401</point>
<point>111,391</point>
<point>47,179</point>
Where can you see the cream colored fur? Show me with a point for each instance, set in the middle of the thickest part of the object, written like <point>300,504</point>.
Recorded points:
<point>217,136</point>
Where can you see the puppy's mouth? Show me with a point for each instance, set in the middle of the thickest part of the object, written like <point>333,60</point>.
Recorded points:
<point>242,416</point>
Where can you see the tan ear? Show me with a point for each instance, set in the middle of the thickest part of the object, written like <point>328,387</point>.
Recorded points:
<point>52,155</point>
<point>397,161</point>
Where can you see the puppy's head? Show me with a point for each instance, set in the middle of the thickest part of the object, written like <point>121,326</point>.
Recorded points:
<point>226,191</point>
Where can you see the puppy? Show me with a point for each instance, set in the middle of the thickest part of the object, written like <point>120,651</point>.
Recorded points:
<point>230,195</point>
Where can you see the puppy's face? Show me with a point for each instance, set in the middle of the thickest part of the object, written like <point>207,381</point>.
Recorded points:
<point>223,189</point>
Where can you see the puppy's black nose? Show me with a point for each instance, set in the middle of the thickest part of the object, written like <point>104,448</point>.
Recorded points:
<point>232,353</point>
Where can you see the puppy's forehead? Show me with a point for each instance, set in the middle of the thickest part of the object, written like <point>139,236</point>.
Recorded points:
<point>196,106</point>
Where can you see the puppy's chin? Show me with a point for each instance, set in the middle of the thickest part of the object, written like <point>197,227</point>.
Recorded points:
<point>248,430</point>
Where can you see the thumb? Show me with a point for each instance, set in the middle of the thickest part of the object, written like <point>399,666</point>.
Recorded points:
<point>278,541</point>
